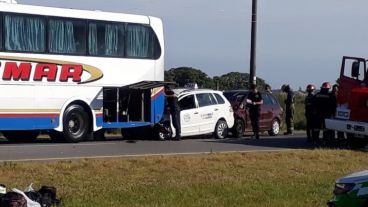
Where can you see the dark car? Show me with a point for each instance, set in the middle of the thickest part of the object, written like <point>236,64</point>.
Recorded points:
<point>271,113</point>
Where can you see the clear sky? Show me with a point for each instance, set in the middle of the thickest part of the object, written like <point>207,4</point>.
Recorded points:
<point>299,42</point>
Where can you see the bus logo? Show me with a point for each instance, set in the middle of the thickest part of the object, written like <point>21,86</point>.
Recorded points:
<point>34,69</point>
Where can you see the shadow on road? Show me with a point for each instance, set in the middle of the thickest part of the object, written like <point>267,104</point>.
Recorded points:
<point>290,142</point>
<point>298,141</point>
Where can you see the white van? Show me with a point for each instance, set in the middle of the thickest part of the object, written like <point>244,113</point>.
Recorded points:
<point>204,111</point>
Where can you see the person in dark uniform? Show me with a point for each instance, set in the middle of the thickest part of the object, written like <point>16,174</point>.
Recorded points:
<point>309,111</point>
<point>289,109</point>
<point>174,110</point>
<point>268,88</point>
<point>335,91</point>
<point>254,101</point>
<point>325,106</point>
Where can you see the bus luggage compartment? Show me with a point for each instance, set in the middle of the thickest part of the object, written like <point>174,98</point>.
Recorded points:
<point>133,106</point>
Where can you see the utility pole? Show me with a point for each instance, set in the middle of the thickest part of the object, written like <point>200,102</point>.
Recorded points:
<point>252,72</point>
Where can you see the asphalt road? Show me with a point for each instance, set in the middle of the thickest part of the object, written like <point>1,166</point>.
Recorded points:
<point>118,148</point>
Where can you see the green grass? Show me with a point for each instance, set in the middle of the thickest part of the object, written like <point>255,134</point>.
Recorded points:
<point>294,178</point>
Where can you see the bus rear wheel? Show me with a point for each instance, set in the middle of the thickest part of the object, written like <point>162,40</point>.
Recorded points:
<point>21,136</point>
<point>76,124</point>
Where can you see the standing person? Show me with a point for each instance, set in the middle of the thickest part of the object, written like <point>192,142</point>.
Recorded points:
<point>335,91</point>
<point>268,88</point>
<point>289,109</point>
<point>325,106</point>
<point>174,110</point>
<point>254,101</point>
<point>309,111</point>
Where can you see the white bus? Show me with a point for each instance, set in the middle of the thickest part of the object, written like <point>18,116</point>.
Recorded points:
<point>73,72</point>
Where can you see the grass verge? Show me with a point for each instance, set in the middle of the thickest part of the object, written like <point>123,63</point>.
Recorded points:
<point>293,178</point>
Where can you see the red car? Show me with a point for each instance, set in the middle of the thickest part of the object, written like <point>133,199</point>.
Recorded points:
<point>271,113</point>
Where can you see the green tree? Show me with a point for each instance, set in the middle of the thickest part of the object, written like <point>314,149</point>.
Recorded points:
<point>185,75</point>
<point>236,80</point>
<point>229,81</point>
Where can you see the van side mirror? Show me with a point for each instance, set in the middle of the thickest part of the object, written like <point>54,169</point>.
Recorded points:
<point>355,69</point>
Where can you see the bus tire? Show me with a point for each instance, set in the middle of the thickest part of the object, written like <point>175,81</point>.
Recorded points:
<point>21,136</point>
<point>76,124</point>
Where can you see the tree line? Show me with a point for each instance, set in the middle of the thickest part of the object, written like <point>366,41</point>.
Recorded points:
<point>228,81</point>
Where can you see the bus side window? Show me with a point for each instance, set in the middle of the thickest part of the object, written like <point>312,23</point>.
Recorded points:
<point>67,36</point>
<point>106,39</point>
<point>1,31</point>
<point>140,42</point>
<point>24,33</point>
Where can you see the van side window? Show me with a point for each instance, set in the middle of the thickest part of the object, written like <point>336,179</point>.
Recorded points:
<point>187,102</point>
<point>205,99</point>
<point>220,100</point>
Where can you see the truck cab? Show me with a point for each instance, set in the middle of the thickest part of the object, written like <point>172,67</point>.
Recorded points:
<point>352,108</point>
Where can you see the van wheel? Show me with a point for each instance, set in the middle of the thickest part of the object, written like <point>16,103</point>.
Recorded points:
<point>221,129</point>
<point>21,136</point>
<point>163,132</point>
<point>275,128</point>
<point>76,124</point>
<point>238,129</point>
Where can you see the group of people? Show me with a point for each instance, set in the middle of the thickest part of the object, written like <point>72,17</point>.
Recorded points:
<point>254,101</point>
<point>318,107</point>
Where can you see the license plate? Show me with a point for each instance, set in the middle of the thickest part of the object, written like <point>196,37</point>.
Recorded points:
<point>359,128</point>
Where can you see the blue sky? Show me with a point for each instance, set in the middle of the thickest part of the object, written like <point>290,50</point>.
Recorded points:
<point>298,42</point>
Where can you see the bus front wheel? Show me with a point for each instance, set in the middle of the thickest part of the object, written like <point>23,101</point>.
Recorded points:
<point>75,123</point>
